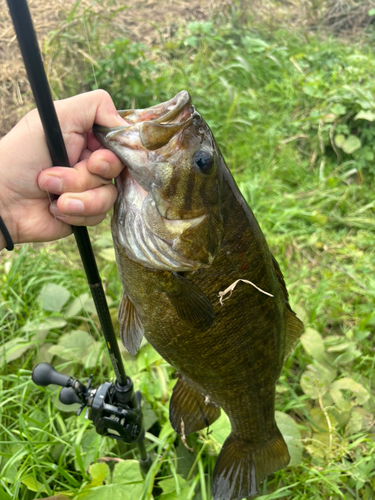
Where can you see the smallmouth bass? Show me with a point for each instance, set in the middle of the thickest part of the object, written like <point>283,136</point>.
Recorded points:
<point>182,234</point>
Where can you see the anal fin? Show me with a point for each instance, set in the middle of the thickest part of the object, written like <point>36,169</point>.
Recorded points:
<point>191,407</point>
<point>131,328</point>
<point>242,465</point>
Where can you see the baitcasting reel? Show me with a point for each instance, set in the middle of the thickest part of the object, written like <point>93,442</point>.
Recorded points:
<point>114,409</point>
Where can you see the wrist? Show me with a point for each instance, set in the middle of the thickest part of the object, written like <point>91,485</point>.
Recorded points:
<point>7,197</point>
<point>7,231</point>
<point>6,237</point>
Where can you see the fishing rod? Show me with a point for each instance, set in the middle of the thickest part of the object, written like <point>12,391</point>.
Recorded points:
<point>114,408</point>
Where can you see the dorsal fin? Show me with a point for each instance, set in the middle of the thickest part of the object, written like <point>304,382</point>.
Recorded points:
<point>280,278</point>
<point>131,328</point>
<point>293,326</point>
<point>293,330</point>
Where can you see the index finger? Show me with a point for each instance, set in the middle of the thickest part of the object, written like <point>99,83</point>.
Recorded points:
<point>104,163</point>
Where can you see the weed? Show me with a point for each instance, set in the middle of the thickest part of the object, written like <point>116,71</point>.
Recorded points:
<point>294,120</point>
<point>126,73</point>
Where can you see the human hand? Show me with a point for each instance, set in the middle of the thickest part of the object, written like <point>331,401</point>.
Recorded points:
<point>28,205</point>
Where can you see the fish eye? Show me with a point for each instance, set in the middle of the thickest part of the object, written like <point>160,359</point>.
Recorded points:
<point>205,160</point>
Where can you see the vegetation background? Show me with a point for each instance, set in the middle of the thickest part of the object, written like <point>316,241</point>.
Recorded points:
<point>288,90</point>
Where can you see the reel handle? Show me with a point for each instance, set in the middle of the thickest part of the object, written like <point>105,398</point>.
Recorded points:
<point>44,374</point>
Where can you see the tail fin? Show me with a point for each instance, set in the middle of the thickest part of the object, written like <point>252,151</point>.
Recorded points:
<point>241,466</point>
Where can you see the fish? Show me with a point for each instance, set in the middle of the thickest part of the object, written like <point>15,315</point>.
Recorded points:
<point>202,286</point>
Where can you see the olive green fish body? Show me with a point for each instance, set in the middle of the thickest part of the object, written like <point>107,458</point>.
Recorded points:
<point>184,236</point>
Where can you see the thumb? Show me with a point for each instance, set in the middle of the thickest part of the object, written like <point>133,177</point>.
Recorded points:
<point>79,113</point>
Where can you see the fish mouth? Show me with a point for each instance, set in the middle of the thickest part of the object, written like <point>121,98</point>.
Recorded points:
<point>155,125</point>
<point>145,142</point>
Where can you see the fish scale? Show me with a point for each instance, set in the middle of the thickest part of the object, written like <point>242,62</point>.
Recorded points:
<point>228,354</point>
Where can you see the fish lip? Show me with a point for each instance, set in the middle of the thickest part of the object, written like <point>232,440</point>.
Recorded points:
<point>100,130</point>
<point>162,114</point>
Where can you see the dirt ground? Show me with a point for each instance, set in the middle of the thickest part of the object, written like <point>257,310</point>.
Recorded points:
<point>142,19</point>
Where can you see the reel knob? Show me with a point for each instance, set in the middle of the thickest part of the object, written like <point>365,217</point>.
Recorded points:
<point>68,396</point>
<point>44,374</point>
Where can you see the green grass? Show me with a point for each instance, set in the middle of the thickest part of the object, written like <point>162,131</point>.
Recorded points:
<point>276,103</point>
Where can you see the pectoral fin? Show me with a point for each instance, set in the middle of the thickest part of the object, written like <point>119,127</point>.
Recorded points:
<point>131,328</point>
<point>190,409</point>
<point>191,304</point>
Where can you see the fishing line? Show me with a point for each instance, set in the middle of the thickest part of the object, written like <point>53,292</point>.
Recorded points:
<point>91,59</point>
<point>89,49</point>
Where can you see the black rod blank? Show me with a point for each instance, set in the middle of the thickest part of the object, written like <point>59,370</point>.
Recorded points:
<point>29,47</point>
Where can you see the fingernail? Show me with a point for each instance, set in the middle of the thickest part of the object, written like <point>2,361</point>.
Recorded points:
<point>101,167</point>
<point>55,211</point>
<point>73,206</point>
<point>52,184</point>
